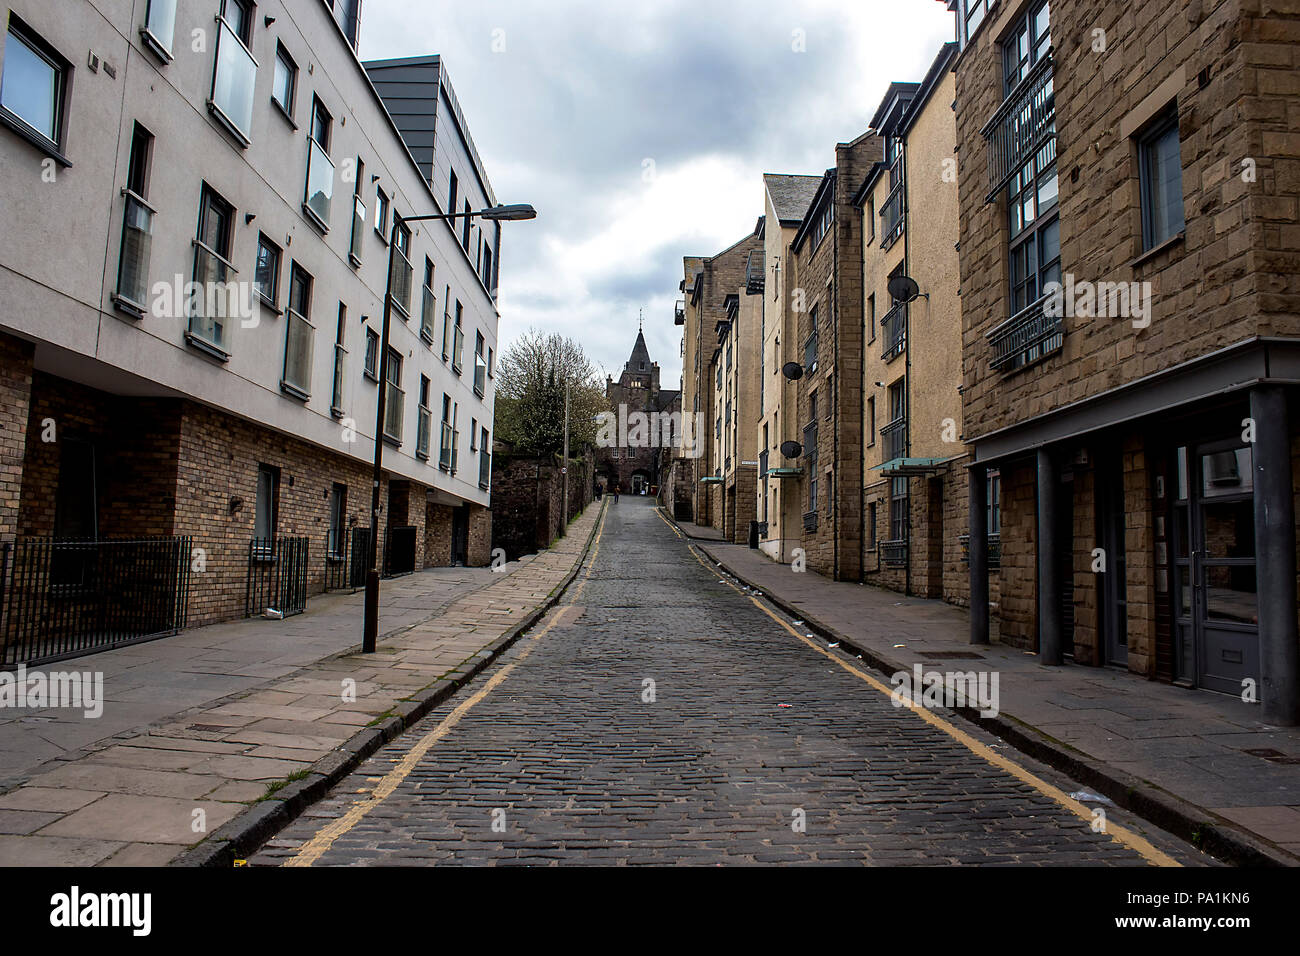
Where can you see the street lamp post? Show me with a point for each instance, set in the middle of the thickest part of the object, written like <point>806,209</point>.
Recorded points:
<point>370,628</point>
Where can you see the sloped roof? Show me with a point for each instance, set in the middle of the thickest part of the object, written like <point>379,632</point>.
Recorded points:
<point>790,195</point>
<point>640,355</point>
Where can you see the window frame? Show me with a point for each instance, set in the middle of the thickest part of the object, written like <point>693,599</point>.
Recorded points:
<point>56,147</point>
<point>370,358</point>
<point>1148,138</point>
<point>298,390</point>
<point>271,302</point>
<point>287,109</point>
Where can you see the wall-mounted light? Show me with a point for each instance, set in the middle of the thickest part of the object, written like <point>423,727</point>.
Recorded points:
<point>249,217</point>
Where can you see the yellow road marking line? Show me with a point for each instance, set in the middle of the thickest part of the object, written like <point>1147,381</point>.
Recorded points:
<point>1133,841</point>
<point>318,845</point>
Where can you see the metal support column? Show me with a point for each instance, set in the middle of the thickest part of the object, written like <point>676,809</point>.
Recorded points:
<point>977,476</point>
<point>1050,650</point>
<point>1275,560</point>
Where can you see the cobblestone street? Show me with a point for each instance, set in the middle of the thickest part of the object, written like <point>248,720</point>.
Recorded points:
<point>659,715</point>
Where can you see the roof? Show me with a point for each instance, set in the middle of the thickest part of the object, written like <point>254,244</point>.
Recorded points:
<point>640,357</point>
<point>791,195</point>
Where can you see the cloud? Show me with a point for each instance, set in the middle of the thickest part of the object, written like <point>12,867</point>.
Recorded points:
<point>641,132</point>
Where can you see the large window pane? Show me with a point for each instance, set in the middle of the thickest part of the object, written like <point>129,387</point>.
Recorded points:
<point>232,83</point>
<point>1163,182</point>
<point>160,22</point>
<point>297,355</point>
<point>29,88</point>
<point>137,236</point>
<point>320,182</point>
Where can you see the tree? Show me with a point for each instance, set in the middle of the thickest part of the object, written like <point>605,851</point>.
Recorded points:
<point>531,375</point>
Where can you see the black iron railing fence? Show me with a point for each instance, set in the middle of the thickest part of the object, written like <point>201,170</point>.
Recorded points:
<point>277,576</point>
<point>61,598</point>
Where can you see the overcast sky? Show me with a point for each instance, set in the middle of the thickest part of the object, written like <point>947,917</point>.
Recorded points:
<point>641,130</point>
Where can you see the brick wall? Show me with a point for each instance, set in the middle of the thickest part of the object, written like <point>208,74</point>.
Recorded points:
<point>15,405</point>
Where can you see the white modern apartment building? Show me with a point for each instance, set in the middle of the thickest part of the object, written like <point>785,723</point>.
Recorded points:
<point>197,198</point>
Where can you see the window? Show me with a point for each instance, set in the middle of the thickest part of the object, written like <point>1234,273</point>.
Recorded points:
<point>235,74</point>
<point>371,367</point>
<point>34,88</point>
<point>830,491</point>
<point>446,324</point>
<point>285,83</point>
<point>299,335</point>
<point>1161,180</point>
<point>871,317</point>
<point>871,526</point>
<point>403,273</point>
<point>446,449</point>
<point>451,197</point>
<point>465,227</point>
<point>239,14</point>
<point>871,421</point>
<point>994,517</point>
<point>340,362</point>
<point>823,223</point>
<point>268,494</point>
<point>212,307</point>
<point>1035,262</point>
<point>358,216</point>
<point>338,520</point>
<point>473,434</point>
<point>458,343</point>
<point>266,275</point>
<point>490,365</point>
<point>810,344</point>
<point>137,228</point>
<point>487,269</point>
<point>869,220</point>
<point>1028,42</point>
<point>424,426</point>
<point>319,192</point>
<point>484,460</point>
<point>898,509</point>
<point>480,366</point>
<point>428,304</point>
<point>381,214</point>
<point>975,12</point>
<point>394,404</point>
<point>159,27</point>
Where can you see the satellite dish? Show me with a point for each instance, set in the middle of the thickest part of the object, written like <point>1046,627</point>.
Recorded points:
<point>792,370</point>
<point>903,288</point>
<point>791,449</point>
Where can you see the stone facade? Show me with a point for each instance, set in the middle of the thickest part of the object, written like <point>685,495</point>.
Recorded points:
<point>526,495</point>
<point>635,467</point>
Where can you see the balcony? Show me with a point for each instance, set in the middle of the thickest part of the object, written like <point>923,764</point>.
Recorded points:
<point>358,230</point>
<point>891,217</point>
<point>233,82</point>
<point>679,313</point>
<point>762,463</point>
<point>894,436</point>
<point>297,356</point>
<point>394,409</point>
<point>401,278</point>
<point>133,263</point>
<point>428,306</point>
<point>893,332</point>
<point>1026,337</point>
<point>810,520</point>
<point>480,375</point>
<point>212,309</point>
<point>447,450</point>
<point>424,432</point>
<point>320,185</point>
<point>457,350</point>
<point>1024,122</point>
<point>810,440</point>
<point>994,549</point>
<point>893,554</point>
<point>484,469</point>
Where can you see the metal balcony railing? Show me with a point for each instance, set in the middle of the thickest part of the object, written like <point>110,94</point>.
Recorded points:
<point>424,432</point>
<point>894,435</point>
<point>233,83</point>
<point>297,353</point>
<point>217,301</point>
<point>457,350</point>
<point>994,549</point>
<point>810,353</point>
<point>1026,337</point>
<point>428,307</point>
<point>891,217</point>
<point>679,313</point>
<point>358,229</point>
<point>893,332</point>
<point>447,448</point>
<point>1021,125</point>
<point>133,262</point>
<point>403,274</point>
<point>336,393</point>
<point>480,375</point>
<point>394,409</point>
<point>319,196</point>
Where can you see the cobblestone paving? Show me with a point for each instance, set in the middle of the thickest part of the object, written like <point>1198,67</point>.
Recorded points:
<point>565,761</point>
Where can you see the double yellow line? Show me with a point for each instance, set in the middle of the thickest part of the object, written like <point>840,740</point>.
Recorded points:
<point>1133,841</point>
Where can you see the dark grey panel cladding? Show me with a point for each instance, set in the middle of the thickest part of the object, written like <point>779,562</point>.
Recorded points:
<point>410,94</point>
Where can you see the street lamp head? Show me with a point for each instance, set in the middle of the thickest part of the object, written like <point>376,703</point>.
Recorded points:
<point>517,211</point>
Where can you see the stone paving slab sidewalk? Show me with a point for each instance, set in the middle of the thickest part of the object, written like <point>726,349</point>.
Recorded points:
<point>1180,757</point>
<point>221,735</point>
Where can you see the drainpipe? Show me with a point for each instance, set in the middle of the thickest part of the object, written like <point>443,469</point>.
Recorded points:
<point>835,374</point>
<point>907,370</point>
